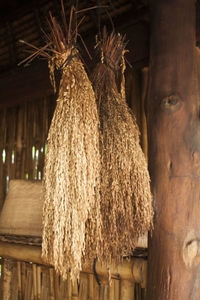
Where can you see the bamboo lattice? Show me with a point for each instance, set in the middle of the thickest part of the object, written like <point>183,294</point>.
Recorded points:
<point>23,141</point>
<point>29,281</point>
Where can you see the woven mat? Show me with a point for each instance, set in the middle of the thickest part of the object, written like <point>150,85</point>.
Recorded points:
<point>22,210</point>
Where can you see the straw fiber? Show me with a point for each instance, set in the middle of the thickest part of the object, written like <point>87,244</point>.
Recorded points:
<point>22,209</point>
<point>71,174</point>
<point>126,207</point>
<point>71,181</point>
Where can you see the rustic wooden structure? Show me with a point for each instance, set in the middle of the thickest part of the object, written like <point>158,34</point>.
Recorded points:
<point>27,163</point>
<point>26,112</point>
<point>27,281</point>
<point>174,151</point>
<point>26,107</point>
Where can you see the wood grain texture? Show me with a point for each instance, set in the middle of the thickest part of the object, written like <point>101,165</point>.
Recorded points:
<point>174,152</point>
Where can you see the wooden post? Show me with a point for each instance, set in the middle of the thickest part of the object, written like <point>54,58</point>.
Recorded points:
<point>174,152</point>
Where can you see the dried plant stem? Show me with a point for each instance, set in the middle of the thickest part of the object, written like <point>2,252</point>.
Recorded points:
<point>72,171</point>
<point>126,207</point>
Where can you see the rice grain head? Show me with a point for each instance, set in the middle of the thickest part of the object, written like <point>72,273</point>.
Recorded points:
<point>72,171</point>
<point>71,180</point>
<point>126,201</point>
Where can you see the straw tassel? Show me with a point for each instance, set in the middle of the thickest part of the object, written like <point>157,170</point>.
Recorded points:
<point>71,173</point>
<point>126,201</point>
<point>72,168</point>
<point>71,180</point>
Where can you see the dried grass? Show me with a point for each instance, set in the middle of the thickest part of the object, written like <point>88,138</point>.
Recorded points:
<point>126,201</point>
<point>71,182</point>
<point>71,174</point>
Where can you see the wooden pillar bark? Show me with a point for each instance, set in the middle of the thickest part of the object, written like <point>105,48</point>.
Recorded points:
<point>174,152</point>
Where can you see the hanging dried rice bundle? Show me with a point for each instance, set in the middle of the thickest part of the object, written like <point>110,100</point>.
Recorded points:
<point>71,181</point>
<point>126,202</point>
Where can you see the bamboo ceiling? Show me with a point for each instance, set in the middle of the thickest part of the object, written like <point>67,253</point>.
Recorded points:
<point>27,22</point>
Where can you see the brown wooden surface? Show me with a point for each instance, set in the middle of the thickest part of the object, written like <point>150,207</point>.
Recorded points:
<point>174,158</point>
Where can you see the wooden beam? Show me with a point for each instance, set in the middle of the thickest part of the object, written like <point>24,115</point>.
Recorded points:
<point>132,270</point>
<point>174,152</point>
<point>21,252</point>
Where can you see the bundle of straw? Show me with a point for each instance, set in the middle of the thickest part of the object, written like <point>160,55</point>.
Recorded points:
<point>71,181</point>
<point>126,201</point>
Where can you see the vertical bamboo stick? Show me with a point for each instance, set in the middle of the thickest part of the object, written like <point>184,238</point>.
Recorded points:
<point>105,292</point>
<point>39,282</point>
<point>133,89</point>
<point>69,289</point>
<point>63,289</point>
<point>19,275</point>
<point>19,144</point>
<point>52,291</point>
<point>117,289</point>
<point>34,270</point>
<point>29,283</point>
<point>56,286</point>
<point>91,286</point>
<point>97,290</point>
<point>2,124</point>
<point>144,137</point>
<point>126,290</point>
<point>45,284</point>
<point>83,292</point>
<point>75,292</point>
<point>23,271</point>
<point>7,277</point>
<point>4,165</point>
<point>112,290</point>
<point>62,286</point>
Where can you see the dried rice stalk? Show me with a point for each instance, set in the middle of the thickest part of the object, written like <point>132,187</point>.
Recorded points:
<point>71,179</point>
<point>126,202</point>
<point>71,171</point>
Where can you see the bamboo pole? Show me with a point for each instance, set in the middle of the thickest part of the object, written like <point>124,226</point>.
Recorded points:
<point>19,276</point>
<point>7,279</point>
<point>126,290</point>
<point>144,137</point>
<point>21,252</point>
<point>34,270</point>
<point>39,282</point>
<point>117,289</point>
<point>133,270</point>
<point>83,292</point>
<point>52,289</point>
<point>112,290</point>
<point>23,271</point>
<point>69,289</point>
<point>56,286</point>
<point>75,291</point>
<point>91,286</point>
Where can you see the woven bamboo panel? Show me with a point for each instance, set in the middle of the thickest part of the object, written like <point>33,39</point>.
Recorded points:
<point>23,137</point>
<point>36,282</point>
<point>22,210</point>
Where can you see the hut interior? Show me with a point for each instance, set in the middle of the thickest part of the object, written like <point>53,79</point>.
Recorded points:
<point>27,103</point>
